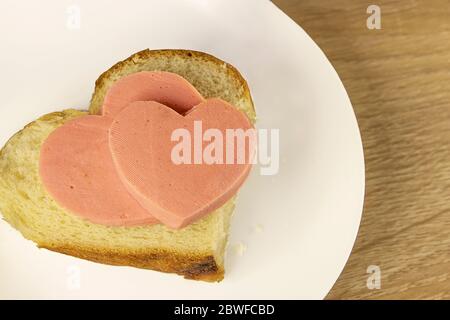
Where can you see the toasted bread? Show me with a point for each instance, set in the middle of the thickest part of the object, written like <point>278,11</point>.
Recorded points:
<point>196,251</point>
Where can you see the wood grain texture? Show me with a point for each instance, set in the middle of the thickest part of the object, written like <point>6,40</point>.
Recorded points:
<point>398,79</point>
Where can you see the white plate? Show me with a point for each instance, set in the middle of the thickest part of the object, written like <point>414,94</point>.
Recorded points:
<point>298,226</point>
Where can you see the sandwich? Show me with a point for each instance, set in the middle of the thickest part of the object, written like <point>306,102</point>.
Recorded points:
<point>71,181</point>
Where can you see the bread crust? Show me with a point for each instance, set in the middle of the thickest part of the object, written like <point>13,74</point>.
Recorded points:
<point>189,265</point>
<point>147,54</point>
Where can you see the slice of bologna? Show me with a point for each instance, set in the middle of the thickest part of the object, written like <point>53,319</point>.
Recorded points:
<point>77,170</point>
<point>164,87</point>
<point>147,159</point>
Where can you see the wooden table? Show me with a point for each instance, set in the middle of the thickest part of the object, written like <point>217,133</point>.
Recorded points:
<point>398,79</point>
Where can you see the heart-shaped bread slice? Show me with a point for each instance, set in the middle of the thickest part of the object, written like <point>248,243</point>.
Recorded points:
<point>76,168</point>
<point>177,194</point>
<point>195,252</point>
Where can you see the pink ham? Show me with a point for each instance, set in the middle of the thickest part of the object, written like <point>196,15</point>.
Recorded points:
<point>117,169</point>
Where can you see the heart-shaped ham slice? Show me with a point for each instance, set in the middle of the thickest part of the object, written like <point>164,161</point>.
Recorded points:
<point>77,170</point>
<point>164,87</point>
<point>178,194</point>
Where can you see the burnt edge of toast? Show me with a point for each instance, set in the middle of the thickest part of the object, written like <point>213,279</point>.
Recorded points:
<point>189,265</point>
